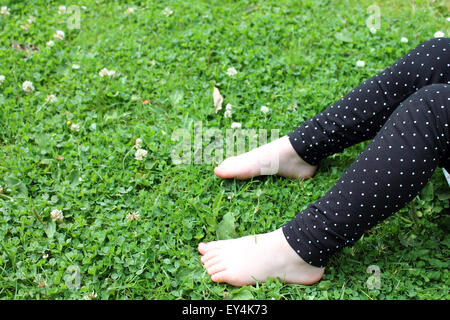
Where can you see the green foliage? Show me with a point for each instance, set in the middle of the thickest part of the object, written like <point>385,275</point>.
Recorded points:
<point>286,52</point>
<point>225,229</point>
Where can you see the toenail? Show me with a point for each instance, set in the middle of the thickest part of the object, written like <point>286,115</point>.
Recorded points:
<point>202,245</point>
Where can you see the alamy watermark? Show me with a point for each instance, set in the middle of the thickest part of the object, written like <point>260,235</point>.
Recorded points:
<point>210,145</point>
<point>373,22</point>
<point>74,20</point>
<point>374,281</point>
<point>73,14</point>
<point>73,281</point>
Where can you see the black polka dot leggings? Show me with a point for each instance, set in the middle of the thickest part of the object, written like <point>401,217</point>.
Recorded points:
<point>405,109</point>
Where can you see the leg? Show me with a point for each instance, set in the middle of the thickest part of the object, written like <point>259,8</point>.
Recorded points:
<point>359,115</point>
<point>354,118</point>
<point>390,172</point>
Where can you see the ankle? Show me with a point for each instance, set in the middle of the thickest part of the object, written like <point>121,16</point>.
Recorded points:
<point>293,162</point>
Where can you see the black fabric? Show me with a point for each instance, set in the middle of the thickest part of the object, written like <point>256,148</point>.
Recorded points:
<point>406,110</point>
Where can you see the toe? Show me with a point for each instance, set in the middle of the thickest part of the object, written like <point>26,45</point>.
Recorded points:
<point>202,247</point>
<point>228,168</point>
<point>212,261</point>
<point>213,245</point>
<point>218,267</point>
<point>209,255</point>
<point>219,277</point>
<point>226,277</point>
<point>222,172</point>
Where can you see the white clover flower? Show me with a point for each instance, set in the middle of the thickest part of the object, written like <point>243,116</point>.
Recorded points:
<point>439,34</point>
<point>360,63</point>
<point>153,62</point>
<point>2,78</point>
<point>107,73</point>
<point>4,10</point>
<point>31,19</point>
<point>167,12</point>
<point>75,66</point>
<point>228,110</point>
<point>138,143</point>
<point>129,11</point>
<point>140,154</point>
<point>56,215</point>
<point>62,10</point>
<point>112,73</point>
<point>90,296</point>
<point>27,86</point>
<point>236,125</point>
<point>133,216</point>
<point>231,71</point>
<point>75,127</point>
<point>404,40</point>
<point>103,72</point>
<point>50,98</point>
<point>59,35</point>
<point>264,109</point>
<point>50,43</point>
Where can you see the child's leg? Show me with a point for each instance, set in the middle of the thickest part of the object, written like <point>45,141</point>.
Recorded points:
<point>362,112</point>
<point>390,172</point>
<point>355,118</point>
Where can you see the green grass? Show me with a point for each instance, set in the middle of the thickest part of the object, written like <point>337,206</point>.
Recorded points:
<point>285,52</point>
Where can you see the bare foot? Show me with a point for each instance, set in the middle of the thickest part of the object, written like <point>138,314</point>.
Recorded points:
<point>245,260</point>
<point>276,157</point>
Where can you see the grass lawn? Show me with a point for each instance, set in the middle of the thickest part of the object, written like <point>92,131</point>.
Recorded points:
<point>130,227</point>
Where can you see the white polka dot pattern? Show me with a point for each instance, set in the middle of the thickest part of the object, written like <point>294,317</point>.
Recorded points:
<point>406,110</point>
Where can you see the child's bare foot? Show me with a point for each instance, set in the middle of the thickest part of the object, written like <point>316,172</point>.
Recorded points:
<point>245,260</point>
<point>276,157</point>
